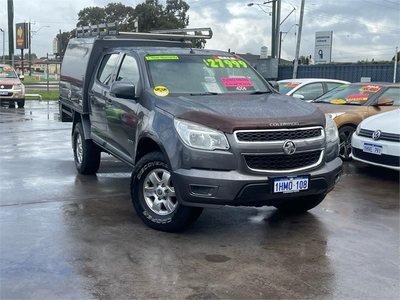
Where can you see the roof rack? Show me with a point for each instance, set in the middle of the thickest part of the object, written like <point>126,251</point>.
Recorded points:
<point>192,33</point>
<point>112,29</point>
<point>98,30</point>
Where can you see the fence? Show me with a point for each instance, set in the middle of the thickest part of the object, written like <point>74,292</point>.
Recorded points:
<point>352,73</point>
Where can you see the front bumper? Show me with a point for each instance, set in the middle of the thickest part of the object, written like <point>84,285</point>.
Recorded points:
<point>389,158</point>
<point>12,95</point>
<point>197,187</point>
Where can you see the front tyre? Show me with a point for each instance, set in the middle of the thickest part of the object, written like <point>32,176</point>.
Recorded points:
<point>154,199</point>
<point>21,103</point>
<point>86,154</point>
<point>303,204</point>
<point>345,134</point>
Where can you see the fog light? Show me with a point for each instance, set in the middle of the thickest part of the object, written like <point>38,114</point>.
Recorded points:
<point>203,190</point>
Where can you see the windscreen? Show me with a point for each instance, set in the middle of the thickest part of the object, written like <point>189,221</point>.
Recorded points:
<point>201,74</point>
<point>7,72</point>
<point>349,94</point>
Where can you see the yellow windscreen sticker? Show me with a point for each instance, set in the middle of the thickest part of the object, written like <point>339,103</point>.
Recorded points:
<point>162,57</point>
<point>161,91</point>
<point>338,101</point>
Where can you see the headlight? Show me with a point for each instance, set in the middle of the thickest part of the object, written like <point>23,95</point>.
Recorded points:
<point>200,137</point>
<point>358,129</point>
<point>18,87</point>
<point>331,130</point>
<point>334,115</point>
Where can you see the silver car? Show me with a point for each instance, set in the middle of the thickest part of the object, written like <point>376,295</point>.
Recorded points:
<point>308,88</point>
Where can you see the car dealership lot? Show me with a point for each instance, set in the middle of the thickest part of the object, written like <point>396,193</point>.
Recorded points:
<point>64,235</point>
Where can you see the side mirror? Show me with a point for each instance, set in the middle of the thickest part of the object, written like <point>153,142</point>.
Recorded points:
<point>298,96</point>
<point>274,84</point>
<point>21,77</point>
<point>385,102</point>
<point>123,89</point>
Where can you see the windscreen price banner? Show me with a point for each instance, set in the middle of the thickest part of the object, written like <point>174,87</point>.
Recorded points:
<point>237,83</point>
<point>224,62</point>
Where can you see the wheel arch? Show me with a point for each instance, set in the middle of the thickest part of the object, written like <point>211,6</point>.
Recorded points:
<point>147,145</point>
<point>348,124</point>
<point>85,120</point>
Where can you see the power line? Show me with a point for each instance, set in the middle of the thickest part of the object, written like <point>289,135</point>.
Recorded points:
<point>325,15</point>
<point>391,7</point>
<point>397,3</point>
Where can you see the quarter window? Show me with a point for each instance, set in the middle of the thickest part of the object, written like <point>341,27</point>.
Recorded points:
<point>106,69</point>
<point>129,71</point>
<point>332,85</point>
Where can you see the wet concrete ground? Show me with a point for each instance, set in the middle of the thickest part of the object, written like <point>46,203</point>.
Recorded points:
<point>68,236</point>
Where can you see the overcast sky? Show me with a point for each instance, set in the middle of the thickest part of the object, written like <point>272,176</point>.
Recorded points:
<point>362,29</point>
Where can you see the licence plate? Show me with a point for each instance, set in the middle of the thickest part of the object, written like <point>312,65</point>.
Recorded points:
<point>291,184</point>
<point>3,93</point>
<point>371,148</point>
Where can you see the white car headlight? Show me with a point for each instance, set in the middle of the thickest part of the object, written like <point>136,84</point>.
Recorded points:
<point>334,115</point>
<point>331,130</point>
<point>18,87</point>
<point>358,129</point>
<point>200,137</point>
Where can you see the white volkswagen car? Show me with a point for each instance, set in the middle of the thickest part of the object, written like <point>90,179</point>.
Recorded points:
<point>377,140</point>
<point>308,88</point>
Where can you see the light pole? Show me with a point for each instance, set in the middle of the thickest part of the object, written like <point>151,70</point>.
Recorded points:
<point>4,45</point>
<point>31,34</point>
<point>296,59</point>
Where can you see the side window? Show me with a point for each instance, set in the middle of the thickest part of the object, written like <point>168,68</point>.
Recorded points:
<point>392,93</point>
<point>129,70</point>
<point>332,85</point>
<point>106,69</point>
<point>311,91</point>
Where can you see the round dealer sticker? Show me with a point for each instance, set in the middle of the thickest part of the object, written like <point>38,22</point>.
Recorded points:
<point>161,91</point>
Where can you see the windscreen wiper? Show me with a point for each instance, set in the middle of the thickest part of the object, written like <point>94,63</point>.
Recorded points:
<point>204,94</point>
<point>260,92</point>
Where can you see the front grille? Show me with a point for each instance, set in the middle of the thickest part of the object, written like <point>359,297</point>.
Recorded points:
<point>5,87</point>
<point>383,159</point>
<point>384,135</point>
<point>277,135</point>
<point>282,162</point>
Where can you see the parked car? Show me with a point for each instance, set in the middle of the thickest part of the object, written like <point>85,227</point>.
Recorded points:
<point>377,140</point>
<point>199,127</point>
<point>308,88</point>
<point>349,104</point>
<point>11,88</point>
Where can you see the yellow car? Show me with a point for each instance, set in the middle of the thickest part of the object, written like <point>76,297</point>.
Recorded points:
<point>349,104</point>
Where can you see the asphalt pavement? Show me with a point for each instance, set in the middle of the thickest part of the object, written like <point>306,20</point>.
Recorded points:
<point>68,236</point>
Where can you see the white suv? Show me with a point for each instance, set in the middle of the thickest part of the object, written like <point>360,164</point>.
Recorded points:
<point>11,88</point>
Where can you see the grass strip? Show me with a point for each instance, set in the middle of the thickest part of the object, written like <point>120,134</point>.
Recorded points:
<point>46,95</point>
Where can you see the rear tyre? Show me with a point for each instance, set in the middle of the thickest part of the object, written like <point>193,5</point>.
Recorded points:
<point>299,205</point>
<point>86,154</point>
<point>21,103</point>
<point>345,134</point>
<point>154,199</point>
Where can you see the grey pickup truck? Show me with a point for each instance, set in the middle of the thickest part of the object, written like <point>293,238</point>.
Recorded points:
<point>200,127</point>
